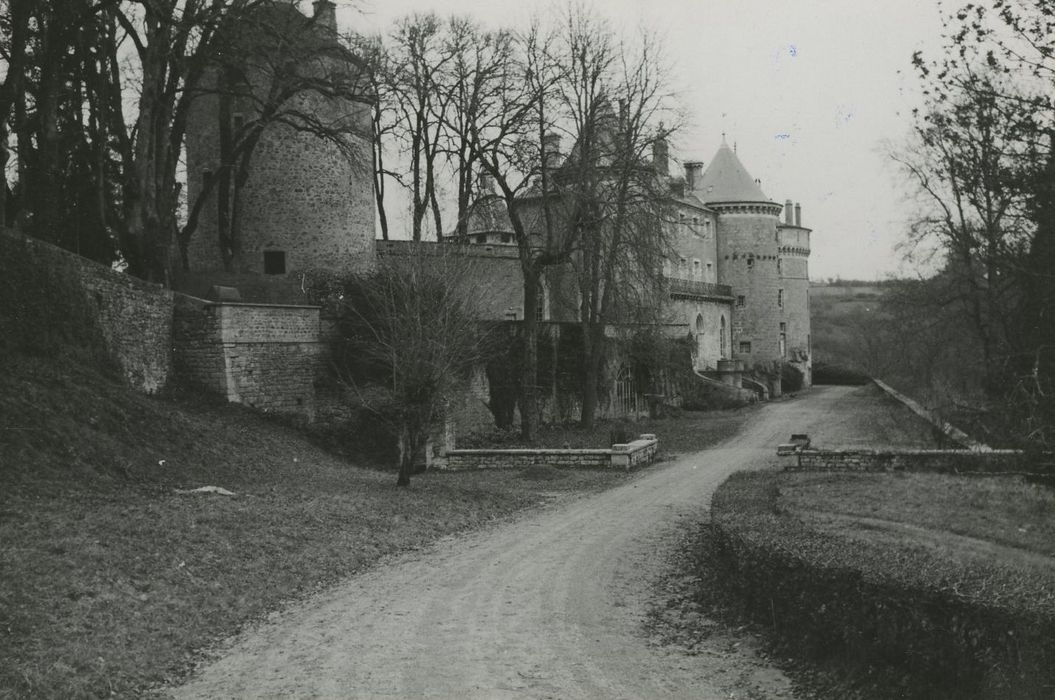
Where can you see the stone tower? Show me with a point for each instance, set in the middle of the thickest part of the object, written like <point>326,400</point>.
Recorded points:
<point>794,241</point>
<point>307,203</point>
<point>763,263</point>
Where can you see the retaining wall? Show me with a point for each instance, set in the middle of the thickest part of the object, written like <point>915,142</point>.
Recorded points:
<point>261,355</point>
<point>621,456</point>
<point>53,301</point>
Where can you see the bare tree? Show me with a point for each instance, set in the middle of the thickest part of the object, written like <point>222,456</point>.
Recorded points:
<point>982,161</point>
<point>617,206</point>
<point>284,75</point>
<point>416,57</point>
<point>413,336</point>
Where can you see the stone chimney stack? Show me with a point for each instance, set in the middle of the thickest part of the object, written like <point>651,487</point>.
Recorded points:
<point>661,155</point>
<point>693,170</point>
<point>326,16</point>
<point>789,212</point>
<point>798,214</point>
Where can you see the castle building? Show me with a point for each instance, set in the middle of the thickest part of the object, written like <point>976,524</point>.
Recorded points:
<point>736,278</point>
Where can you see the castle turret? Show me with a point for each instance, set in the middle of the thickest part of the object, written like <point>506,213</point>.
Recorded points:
<point>307,203</point>
<point>794,239</point>
<point>748,258</point>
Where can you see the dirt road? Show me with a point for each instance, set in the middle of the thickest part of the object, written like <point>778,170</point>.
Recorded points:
<point>549,606</point>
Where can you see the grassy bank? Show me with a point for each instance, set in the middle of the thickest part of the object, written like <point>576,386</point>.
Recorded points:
<point>112,580</point>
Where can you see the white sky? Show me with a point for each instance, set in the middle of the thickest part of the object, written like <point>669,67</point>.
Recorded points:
<point>808,90</point>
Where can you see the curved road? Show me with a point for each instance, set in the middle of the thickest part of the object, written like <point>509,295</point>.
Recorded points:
<point>548,606</point>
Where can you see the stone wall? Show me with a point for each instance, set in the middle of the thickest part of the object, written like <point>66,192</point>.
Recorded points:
<point>637,453</point>
<point>305,197</point>
<point>950,461</point>
<point>748,255</point>
<point>53,301</point>
<point>263,356</point>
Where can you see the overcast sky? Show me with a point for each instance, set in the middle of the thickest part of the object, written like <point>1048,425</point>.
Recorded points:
<point>808,90</point>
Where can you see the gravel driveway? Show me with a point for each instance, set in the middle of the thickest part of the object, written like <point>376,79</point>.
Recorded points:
<point>549,606</point>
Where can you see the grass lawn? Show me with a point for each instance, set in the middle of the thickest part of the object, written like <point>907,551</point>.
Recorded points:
<point>678,432</point>
<point>1003,510</point>
<point>112,581</point>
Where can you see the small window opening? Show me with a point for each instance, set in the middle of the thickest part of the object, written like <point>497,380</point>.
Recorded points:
<point>750,263</point>
<point>780,298</point>
<point>741,300</point>
<point>274,262</point>
<point>745,346</point>
<point>238,122</point>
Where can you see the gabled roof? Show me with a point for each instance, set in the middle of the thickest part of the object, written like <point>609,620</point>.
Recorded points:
<point>726,180</point>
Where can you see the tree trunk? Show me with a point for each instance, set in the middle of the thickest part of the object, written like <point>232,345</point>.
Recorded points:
<point>593,347</point>
<point>529,377</point>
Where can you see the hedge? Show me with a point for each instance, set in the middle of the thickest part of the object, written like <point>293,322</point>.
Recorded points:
<point>946,631</point>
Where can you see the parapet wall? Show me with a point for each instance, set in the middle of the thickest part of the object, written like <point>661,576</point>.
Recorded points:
<point>623,456</point>
<point>55,301</point>
<point>260,355</point>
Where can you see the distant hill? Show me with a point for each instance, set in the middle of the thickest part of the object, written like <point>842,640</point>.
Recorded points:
<point>840,315</point>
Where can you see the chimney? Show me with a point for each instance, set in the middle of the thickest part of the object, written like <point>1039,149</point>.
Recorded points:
<point>660,151</point>
<point>551,151</point>
<point>798,214</point>
<point>326,16</point>
<point>789,213</point>
<point>692,173</point>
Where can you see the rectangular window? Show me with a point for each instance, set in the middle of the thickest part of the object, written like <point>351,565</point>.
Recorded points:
<point>274,262</point>
<point>745,346</point>
<point>780,298</point>
<point>741,300</point>
<point>783,327</point>
<point>239,124</point>
<point>750,263</point>
<point>783,345</point>
<point>779,266</point>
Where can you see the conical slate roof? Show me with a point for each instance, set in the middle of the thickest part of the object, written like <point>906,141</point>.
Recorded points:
<point>726,180</point>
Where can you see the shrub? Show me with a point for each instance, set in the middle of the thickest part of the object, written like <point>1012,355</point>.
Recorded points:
<point>791,378</point>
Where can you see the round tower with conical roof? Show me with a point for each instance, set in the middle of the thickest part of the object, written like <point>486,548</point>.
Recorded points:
<point>751,262</point>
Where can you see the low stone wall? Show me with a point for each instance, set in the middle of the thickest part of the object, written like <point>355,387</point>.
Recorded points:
<point>260,355</point>
<point>53,301</point>
<point>989,461</point>
<point>622,456</point>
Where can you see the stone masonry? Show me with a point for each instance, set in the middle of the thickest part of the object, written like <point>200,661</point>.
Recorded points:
<point>264,356</point>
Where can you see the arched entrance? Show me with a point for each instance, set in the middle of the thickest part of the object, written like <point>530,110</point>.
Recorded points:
<point>721,341</point>
<point>700,352</point>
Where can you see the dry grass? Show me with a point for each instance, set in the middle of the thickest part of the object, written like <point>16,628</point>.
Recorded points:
<point>1002,510</point>
<point>111,581</point>
<point>678,432</point>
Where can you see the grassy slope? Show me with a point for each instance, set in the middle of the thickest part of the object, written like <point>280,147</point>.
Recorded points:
<point>109,577</point>
<point>111,580</point>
